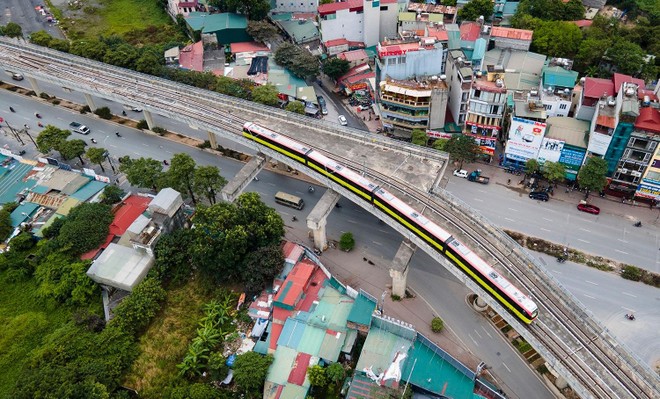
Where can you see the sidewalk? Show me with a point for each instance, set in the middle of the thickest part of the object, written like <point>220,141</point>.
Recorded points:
<point>351,269</point>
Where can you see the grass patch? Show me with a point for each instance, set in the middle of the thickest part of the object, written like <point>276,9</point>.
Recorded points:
<point>25,322</point>
<point>114,17</point>
<point>166,341</point>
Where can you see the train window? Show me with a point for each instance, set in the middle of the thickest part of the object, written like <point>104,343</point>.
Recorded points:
<point>460,247</point>
<point>493,275</point>
<point>421,219</point>
<point>385,194</point>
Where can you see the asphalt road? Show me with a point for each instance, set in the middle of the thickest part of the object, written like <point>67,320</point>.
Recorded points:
<point>23,13</point>
<point>379,242</point>
<point>611,236</point>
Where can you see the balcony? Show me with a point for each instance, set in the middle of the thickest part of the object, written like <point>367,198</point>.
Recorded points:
<point>407,124</point>
<point>386,98</point>
<point>400,113</point>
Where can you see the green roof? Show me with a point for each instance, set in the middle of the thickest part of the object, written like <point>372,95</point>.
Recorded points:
<point>362,310</point>
<point>210,23</point>
<point>558,76</point>
<point>300,31</point>
<point>407,16</point>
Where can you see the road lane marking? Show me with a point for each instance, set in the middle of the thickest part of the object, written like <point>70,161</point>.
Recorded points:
<point>512,209</point>
<point>546,230</point>
<point>475,342</point>
<point>509,219</point>
<point>621,252</point>
<point>584,241</point>
<point>590,282</point>
<point>588,296</point>
<point>477,332</point>
<point>625,293</point>
<point>506,367</point>
<point>623,241</point>
<point>588,231</point>
<point>486,331</point>
<point>383,231</point>
<point>270,184</point>
<point>549,220</point>
<point>556,271</point>
<point>377,243</point>
<point>146,145</point>
<point>351,221</point>
<point>478,200</point>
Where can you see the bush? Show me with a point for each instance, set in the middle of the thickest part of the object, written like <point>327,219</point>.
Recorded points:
<point>205,144</point>
<point>103,113</point>
<point>135,312</point>
<point>85,109</point>
<point>437,325</point>
<point>159,130</point>
<point>45,96</point>
<point>395,297</point>
<point>142,124</point>
<point>56,102</point>
<point>632,273</point>
<point>347,242</point>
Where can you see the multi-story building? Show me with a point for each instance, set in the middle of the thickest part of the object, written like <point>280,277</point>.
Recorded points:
<point>459,80</point>
<point>527,125</point>
<point>448,13</point>
<point>647,134</point>
<point>593,90</point>
<point>504,10</point>
<point>366,21</point>
<point>486,105</point>
<point>414,104</point>
<point>515,39</point>
<point>304,6</point>
<point>183,7</point>
<point>556,89</point>
<point>407,58</point>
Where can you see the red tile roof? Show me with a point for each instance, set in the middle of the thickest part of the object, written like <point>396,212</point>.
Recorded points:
<point>295,283</point>
<point>299,370</point>
<point>607,121</point>
<point>192,57</point>
<point>439,33</point>
<point>619,79</point>
<point>583,23</point>
<point>596,87</point>
<point>331,8</point>
<point>511,33</point>
<point>244,47</point>
<point>642,92</point>
<point>470,31</point>
<point>648,120</point>
<point>354,55</point>
<point>336,42</point>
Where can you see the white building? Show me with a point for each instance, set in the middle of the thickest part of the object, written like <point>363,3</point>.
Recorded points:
<point>459,80</point>
<point>306,6</point>
<point>409,58</point>
<point>364,21</point>
<point>557,84</point>
<point>183,7</point>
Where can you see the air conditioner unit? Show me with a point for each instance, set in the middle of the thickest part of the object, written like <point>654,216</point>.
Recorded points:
<point>624,171</point>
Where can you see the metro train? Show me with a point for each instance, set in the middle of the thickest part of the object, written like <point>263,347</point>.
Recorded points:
<point>460,255</point>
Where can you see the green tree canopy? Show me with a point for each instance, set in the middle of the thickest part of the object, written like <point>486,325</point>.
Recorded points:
<point>181,174</point>
<point>316,376</point>
<point>86,227</point>
<point>96,155</point>
<point>265,94</point>
<point>123,56</point>
<point>476,8</point>
<point>462,148</point>
<point>12,29</point>
<point>531,166</point>
<point>346,241</point>
<point>150,63</point>
<point>554,171</point>
<point>557,39</point>
<point>419,137</point>
<point>112,194</point>
<point>5,224</point>
<point>627,56</point>
<point>142,172</point>
<point>590,52</point>
<point>70,149</point>
<point>65,280</point>
<point>250,370</point>
<point>335,67</point>
<point>335,373</point>
<point>592,175</point>
<point>41,38</point>
<point>50,138</point>
<point>262,31</point>
<point>255,10</point>
<point>295,106</point>
<point>92,49</point>
<point>297,60</point>
<point>261,267</point>
<point>207,182</point>
<point>174,256</point>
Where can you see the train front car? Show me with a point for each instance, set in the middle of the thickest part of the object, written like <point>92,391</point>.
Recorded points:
<point>496,285</point>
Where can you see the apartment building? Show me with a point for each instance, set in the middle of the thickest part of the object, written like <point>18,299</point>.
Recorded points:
<point>304,6</point>
<point>486,104</point>
<point>366,21</point>
<point>647,135</point>
<point>176,7</point>
<point>407,58</point>
<point>556,89</point>
<point>414,103</point>
<point>459,80</point>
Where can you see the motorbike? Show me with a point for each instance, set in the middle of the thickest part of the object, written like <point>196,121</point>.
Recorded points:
<point>40,124</point>
<point>630,316</point>
<point>37,115</point>
<point>508,182</point>
<point>12,109</point>
<point>293,218</point>
<point>256,178</point>
<point>93,141</point>
<point>165,162</point>
<point>310,189</point>
<point>123,113</point>
<point>337,205</point>
<point>561,259</point>
<point>117,134</point>
<point>638,224</point>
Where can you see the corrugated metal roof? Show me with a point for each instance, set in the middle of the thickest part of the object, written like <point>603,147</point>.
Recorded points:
<point>167,202</point>
<point>279,370</point>
<point>299,369</point>
<point>89,190</point>
<point>120,267</point>
<point>211,23</point>
<point>558,76</point>
<point>23,213</point>
<point>362,309</point>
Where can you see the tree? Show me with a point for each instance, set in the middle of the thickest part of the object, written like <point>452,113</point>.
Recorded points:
<point>627,56</point>
<point>335,373</point>
<point>5,225</point>
<point>181,174</point>
<point>573,10</point>
<point>41,38</point>
<point>335,67</point>
<point>437,324</point>
<point>419,137</point>
<point>174,256</point>
<point>136,311</point>
<point>12,29</point>
<point>265,94</point>
<point>85,227</point>
<point>285,53</point>
<point>64,280</point>
<point>112,195</point>
<point>557,39</point>
<point>346,242</point>
<point>92,49</point>
<point>305,65</point>
<point>261,31</point>
<point>554,171</point>
<point>462,148</point>
<point>250,370</point>
<point>531,166</point>
<point>50,138</point>
<point>255,10</point>
<point>590,52</point>
<point>476,8</point>
<point>207,182</point>
<point>149,63</point>
<point>70,149</point>
<point>142,172</point>
<point>316,376</point>
<point>123,56</point>
<point>295,106</point>
<point>97,155</point>
<point>440,144</point>
<point>261,267</point>
<point>592,175</point>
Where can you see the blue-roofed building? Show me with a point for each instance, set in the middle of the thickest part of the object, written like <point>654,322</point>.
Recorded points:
<point>23,213</point>
<point>224,28</point>
<point>557,83</point>
<point>504,10</point>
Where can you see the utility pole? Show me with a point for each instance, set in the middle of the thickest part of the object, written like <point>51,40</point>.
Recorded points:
<point>13,131</point>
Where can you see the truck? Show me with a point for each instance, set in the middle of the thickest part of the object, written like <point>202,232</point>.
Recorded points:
<point>79,128</point>
<point>478,178</point>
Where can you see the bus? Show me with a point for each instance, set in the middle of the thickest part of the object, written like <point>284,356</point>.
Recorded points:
<point>292,201</point>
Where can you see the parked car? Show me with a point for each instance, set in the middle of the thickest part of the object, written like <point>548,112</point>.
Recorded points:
<point>79,128</point>
<point>323,105</point>
<point>539,195</point>
<point>364,107</point>
<point>461,173</point>
<point>593,209</point>
<point>16,76</point>
<point>342,120</point>
<point>132,108</point>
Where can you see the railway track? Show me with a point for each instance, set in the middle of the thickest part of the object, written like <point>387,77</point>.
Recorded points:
<point>214,111</point>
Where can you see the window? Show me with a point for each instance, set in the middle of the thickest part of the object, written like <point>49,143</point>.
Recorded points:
<point>563,106</point>
<point>383,8</point>
<point>477,93</point>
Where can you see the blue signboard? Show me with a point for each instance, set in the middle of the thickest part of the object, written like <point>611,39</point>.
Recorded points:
<point>572,158</point>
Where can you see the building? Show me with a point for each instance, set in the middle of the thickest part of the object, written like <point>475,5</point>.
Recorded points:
<point>225,28</point>
<point>448,13</point>
<point>486,105</point>
<point>557,83</point>
<point>182,7</point>
<point>245,52</point>
<point>191,57</point>
<point>523,68</point>
<point>407,58</point>
<point>504,10</point>
<point>459,80</point>
<point>474,40</point>
<point>647,131</point>
<point>335,46</point>
<point>515,39</point>
<point>413,104</point>
<point>565,142</point>
<point>305,6</point>
<point>593,89</point>
<point>527,126</point>
<point>366,21</point>
<point>300,29</point>
<point>355,57</point>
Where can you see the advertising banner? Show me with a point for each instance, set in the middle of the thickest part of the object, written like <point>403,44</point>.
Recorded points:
<point>598,143</point>
<point>525,139</point>
<point>550,150</point>
<point>486,144</point>
<point>438,135</point>
<point>572,158</point>
<point>647,191</point>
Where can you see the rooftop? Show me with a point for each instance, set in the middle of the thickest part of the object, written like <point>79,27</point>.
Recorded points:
<point>211,23</point>
<point>523,68</point>
<point>424,17</point>
<point>619,79</point>
<point>300,31</point>
<point>351,5</point>
<point>354,55</point>
<point>511,33</point>
<point>336,42</point>
<point>557,76</point>
<point>440,32</point>
<point>120,267</point>
<point>244,47</point>
<point>419,87</point>
<point>648,120</point>
<point>191,57</point>
<point>431,8</point>
<point>572,131</point>
<point>395,47</point>
<point>470,31</point>
<point>596,87</point>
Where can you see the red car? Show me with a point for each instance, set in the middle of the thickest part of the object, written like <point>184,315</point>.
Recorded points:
<point>589,208</point>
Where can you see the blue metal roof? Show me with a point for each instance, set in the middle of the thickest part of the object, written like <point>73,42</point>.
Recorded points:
<point>89,190</point>
<point>23,213</point>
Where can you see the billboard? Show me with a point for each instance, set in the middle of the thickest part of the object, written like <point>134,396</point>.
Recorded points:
<point>598,143</point>
<point>525,139</point>
<point>550,150</point>
<point>648,191</point>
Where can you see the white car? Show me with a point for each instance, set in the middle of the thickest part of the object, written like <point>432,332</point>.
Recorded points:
<point>461,173</point>
<point>342,120</point>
